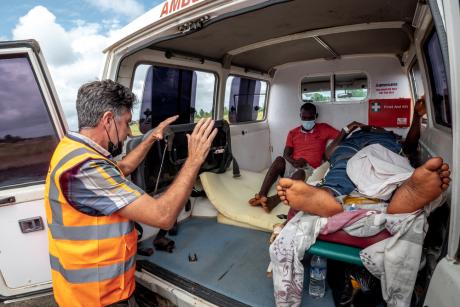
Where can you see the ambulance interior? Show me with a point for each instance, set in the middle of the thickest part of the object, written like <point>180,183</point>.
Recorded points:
<point>254,68</point>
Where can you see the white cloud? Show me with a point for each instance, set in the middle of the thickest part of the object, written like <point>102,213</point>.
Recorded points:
<point>73,56</point>
<point>130,8</point>
<point>40,24</point>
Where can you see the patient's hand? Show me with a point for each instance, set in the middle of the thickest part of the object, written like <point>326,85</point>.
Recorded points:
<point>420,107</point>
<point>354,125</point>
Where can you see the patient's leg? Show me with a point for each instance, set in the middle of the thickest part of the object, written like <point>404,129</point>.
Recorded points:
<point>268,203</point>
<point>425,185</point>
<point>276,170</point>
<point>301,196</point>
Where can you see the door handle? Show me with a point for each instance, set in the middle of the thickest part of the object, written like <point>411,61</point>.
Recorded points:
<point>7,200</point>
<point>32,224</point>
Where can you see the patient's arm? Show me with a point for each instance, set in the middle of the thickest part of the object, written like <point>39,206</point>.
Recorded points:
<point>410,144</point>
<point>343,134</point>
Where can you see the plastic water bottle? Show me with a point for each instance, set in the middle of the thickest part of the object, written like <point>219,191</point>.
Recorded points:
<point>318,270</point>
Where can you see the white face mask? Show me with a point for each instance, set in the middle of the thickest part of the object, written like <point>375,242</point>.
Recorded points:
<point>308,124</point>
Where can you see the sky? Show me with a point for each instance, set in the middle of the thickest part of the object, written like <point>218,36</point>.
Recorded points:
<point>72,35</point>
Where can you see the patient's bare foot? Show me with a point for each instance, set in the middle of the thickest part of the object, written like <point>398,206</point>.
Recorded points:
<point>302,196</point>
<point>268,203</point>
<point>425,185</point>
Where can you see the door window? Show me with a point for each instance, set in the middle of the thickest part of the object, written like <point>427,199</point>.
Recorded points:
<point>167,91</point>
<point>27,137</point>
<point>438,81</point>
<point>245,100</point>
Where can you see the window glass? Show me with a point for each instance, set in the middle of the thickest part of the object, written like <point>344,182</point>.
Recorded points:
<point>27,137</point>
<point>416,81</point>
<point>316,89</point>
<point>350,87</point>
<point>245,99</point>
<point>418,90</point>
<point>438,80</point>
<point>167,91</point>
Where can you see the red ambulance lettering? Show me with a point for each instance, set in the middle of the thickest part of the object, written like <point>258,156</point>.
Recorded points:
<point>175,5</point>
<point>164,10</point>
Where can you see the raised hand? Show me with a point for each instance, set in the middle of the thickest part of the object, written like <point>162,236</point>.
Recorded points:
<point>158,131</point>
<point>420,107</point>
<point>199,142</point>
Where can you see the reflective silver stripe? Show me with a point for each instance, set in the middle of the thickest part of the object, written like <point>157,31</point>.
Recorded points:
<point>79,276</point>
<point>56,208</point>
<point>93,232</point>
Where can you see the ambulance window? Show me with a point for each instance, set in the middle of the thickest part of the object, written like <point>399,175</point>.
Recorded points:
<point>27,137</point>
<point>167,91</point>
<point>316,89</point>
<point>245,100</point>
<point>438,81</point>
<point>350,87</point>
<point>415,77</point>
<point>416,81</point>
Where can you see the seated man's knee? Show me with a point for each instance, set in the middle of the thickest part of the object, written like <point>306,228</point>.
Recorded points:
<point>279,162</point>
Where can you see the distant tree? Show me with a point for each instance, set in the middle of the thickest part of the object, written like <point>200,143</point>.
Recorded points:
<point>358,93</point>
<point>317,97</point>
<point>10,138</point>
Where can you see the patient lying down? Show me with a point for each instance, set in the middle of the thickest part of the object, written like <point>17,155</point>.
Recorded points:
<point>426,184</point>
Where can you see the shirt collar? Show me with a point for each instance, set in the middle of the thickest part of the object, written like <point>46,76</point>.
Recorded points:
<point>91,143</point>
<point>307,132</point>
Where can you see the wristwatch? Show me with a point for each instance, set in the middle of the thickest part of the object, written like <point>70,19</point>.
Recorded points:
<point>346,129</point>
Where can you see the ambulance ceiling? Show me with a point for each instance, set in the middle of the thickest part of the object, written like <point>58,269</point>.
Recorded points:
<point>287,31</point>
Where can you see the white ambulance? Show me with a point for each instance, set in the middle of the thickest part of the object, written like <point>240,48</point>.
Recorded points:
<point>251,64</point>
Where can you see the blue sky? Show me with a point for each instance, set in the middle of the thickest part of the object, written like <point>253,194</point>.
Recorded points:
<point>69,12</point>
<point>72,35</point>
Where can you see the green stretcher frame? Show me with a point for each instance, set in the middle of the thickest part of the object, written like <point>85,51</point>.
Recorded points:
<point>340,252</point>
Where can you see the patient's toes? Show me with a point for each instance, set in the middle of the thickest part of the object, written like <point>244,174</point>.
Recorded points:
<point>444,167</point>
<point>444,174</point>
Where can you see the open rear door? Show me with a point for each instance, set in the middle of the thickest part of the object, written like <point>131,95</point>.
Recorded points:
<point>31,124</point>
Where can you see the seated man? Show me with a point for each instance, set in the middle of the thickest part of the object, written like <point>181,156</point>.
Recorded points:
<point>304,151</point>
<point>426,183</point>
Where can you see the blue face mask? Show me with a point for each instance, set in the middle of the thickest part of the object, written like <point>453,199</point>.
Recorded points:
<point>308,124</point>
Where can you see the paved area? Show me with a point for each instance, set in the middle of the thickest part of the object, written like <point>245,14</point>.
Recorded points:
<point>44,301</point>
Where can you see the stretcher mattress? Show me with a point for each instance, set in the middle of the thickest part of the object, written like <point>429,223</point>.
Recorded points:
<point>230,197</point>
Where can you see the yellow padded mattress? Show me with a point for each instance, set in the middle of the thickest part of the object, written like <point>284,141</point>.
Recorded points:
<point>230,197</point>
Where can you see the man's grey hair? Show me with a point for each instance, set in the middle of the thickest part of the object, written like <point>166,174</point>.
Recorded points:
<point>97,97</point>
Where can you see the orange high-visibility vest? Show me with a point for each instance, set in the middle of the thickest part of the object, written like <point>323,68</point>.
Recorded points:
<point>92,257</point>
